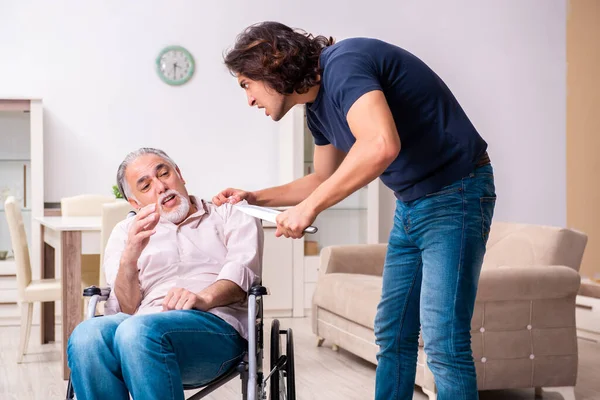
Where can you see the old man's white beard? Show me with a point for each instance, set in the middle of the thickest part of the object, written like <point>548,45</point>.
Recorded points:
<point>179,213</point>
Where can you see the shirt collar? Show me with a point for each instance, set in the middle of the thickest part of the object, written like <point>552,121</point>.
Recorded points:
<point>195,218</point>
<point>200,207</point>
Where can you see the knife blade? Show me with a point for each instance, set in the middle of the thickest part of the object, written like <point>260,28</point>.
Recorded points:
<point>267,214</point>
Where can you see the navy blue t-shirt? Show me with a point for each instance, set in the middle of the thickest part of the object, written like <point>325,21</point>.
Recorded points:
<point>438,142</point>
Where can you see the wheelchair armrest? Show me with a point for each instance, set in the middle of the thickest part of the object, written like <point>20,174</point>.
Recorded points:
<point>258,290</point>
<point>94,290</point>
<point>96,295</point>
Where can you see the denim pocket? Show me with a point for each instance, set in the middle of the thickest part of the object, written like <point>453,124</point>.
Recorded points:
<point>487,205</point>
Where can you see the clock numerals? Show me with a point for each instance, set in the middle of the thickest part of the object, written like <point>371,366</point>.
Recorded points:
<point>175,65</point>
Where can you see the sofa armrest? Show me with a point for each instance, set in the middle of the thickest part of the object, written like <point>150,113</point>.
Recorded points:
<point>367,259</point>
<point>527,283</point>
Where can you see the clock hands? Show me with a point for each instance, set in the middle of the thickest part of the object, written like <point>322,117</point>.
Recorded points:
<point>175,66</point>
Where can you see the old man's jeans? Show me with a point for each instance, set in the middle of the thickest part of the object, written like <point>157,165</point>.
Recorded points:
<point>150,356</point>
<point>430,278</point>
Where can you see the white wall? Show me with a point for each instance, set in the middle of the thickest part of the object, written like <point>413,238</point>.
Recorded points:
<point>93,64</point>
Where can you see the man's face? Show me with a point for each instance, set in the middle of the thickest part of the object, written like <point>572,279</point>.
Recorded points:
<point>152,179</point>
<point>260,95</point>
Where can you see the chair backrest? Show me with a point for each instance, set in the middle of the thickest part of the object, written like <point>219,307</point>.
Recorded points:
<point>84,205</point>
<point>20,247</point>
<point>112,214</point>
<point>525,244</point>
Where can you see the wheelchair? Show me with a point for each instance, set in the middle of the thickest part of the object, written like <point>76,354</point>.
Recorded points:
<point>281,376</point>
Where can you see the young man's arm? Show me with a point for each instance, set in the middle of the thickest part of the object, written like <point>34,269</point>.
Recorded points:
<point>377,146</point>
<point>326,160</point>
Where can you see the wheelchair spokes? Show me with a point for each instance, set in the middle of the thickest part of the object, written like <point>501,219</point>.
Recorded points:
<point>283,384</point>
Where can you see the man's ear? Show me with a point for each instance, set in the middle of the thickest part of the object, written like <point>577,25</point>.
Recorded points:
<point>181,176</point>
<point>134,203</point>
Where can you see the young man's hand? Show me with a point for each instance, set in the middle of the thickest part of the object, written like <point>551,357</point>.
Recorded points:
<point>183,299</point>
<point>292,222</point>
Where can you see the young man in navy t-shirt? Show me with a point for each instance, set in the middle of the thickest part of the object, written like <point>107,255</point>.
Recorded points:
<point>377,111</point>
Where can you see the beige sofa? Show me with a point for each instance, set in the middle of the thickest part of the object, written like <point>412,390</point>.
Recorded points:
<point>523,328</point>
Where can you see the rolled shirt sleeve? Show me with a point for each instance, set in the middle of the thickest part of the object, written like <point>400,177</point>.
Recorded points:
<point>244,240</point>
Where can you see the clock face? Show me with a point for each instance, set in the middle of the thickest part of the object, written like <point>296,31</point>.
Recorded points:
<point>175,65</point>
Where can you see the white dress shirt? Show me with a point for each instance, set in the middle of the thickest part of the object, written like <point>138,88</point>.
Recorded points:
<point>213,243</point>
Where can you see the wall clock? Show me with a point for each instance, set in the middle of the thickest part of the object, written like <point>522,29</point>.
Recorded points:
<point>175,65</point>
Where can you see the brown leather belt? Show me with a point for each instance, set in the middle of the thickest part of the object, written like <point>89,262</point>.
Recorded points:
<point>483,160</point>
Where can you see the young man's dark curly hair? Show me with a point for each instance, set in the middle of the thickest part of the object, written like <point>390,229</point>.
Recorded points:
<point>285,59</point>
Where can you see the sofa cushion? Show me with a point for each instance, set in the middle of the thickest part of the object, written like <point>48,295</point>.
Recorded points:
<point>352,296</point>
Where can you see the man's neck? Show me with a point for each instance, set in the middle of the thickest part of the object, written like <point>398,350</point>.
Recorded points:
<point>193,206</point>
<point>308,97</point>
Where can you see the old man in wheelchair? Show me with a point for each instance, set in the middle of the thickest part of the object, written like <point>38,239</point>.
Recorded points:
<point>180,273</point>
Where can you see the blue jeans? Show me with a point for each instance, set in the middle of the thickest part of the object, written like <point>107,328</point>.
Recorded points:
<point>430,278</point>
<point>150,356</point>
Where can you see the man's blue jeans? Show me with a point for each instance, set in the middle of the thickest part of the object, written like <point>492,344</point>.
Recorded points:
<point>430,278</point>
<point>150,356</point>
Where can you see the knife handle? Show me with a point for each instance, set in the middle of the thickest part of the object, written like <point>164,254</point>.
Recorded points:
<point>311,229</point>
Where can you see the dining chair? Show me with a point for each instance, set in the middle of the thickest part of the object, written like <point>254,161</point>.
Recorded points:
<point>28,291</point>
<point>86,205</point>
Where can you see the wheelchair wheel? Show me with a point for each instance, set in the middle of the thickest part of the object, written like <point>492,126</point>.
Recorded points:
<point>70,392</point>
<point>277,380</point>
<point>283,382</point>
<point>290,371</point>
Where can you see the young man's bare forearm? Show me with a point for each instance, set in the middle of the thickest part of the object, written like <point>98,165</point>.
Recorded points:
<point>365,162</point>
<point>127,288</point>
<point>289,194</point>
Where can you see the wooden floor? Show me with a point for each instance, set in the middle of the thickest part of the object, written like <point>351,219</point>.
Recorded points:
<point>320,372</point>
